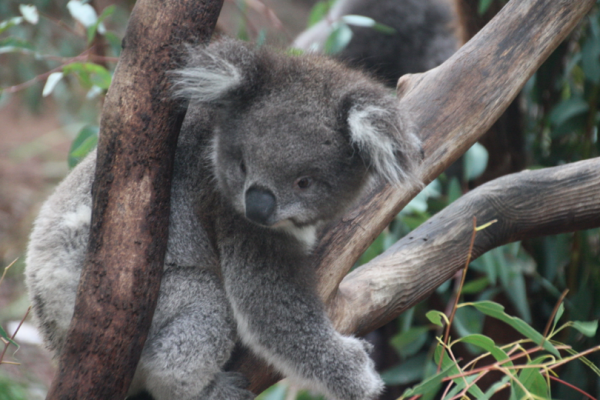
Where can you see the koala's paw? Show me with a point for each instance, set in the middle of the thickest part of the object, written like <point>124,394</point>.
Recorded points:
<point>360,381</point>
<point>228,386</point>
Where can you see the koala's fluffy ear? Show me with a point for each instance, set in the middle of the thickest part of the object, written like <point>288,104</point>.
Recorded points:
<point>385,141</point>
<point>213,73</point>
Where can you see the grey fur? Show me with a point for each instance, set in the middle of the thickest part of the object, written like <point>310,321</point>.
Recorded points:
<point>424,37</point>
<point>285,119</point>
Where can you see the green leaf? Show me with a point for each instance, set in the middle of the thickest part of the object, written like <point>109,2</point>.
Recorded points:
<point>375,249</point>
<point>5,336</point>
<point>436,317</point>
<point>90,74</point>
<point>358,20</point>
<point>408,339</point>
<point>454,190</point>
<point>338,39</point>
<point>97,26</point>
<point>492,390</point>
<point>590,59</point>
<point>488,345</point>
<point>587,328</point>
<point>9,23</point>
<point>460,385</point>
<point>318,12</point>
<point>51,83</point>
<point>533,381</point>
<point>429,385</point>
<point>484,5</point>
<point>495,310</point>
<point>86,141</point>
<point>559,313</point>
<point>475,286</point>
<point>475,161</point>
<point>261,38</point>
<point>568,109</point>
<point>30,13</point>
<point>15,45</point>
<point>452,369</point>
<point>468,321</point>
<point>387,30</point>
<point>83,13</point>
<point>406,372</point>
<point>114,41</point>
<point>275,392</point>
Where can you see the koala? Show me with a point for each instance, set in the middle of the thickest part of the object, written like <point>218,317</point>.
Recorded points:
<point>425,36</point>
<point>273,149</point>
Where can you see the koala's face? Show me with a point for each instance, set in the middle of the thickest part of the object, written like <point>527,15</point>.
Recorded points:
<point>295,138</point>
<point>282,161</point>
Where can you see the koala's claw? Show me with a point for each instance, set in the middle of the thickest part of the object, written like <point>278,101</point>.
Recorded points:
<point>358,380</point>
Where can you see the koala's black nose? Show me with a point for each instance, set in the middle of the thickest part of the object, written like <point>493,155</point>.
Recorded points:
<point>260,204</point>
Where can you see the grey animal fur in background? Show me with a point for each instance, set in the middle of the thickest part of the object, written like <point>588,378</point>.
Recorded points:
<point>273,148</point>
<point>425,36</point>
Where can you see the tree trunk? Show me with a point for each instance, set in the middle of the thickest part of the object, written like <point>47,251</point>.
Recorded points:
<point>139,128</point>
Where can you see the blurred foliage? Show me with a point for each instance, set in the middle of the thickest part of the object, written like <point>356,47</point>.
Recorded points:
<point>68,52</point>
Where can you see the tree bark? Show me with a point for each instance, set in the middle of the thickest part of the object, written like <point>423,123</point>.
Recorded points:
<point>140,124</point>
<point>526,205</point>
<point>451,106</point>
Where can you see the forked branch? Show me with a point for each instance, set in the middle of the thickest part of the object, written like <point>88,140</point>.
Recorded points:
<point>451,106</point>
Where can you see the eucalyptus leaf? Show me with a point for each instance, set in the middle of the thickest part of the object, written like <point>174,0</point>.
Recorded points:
<point>475,286</point>
<point>436,317</point>
<point>408,338</point>
<point>496,310</point>
<point>484,5</point>
<point>406,372</point>
<point>86,141</point>
<point>83,13</point>
<point>358,20</point>
<point>388,30</point>
<point>318,12</point>
<point>568,109</point>
<point>474,162</point>
<point>532,379</point>
<point>51,83</point>
<point>488,345</point>
<point>9,23</point>
<point>30,13</point>
<point>6,337</point>
<point>590,59</point>
<point>12,44</point>
<point>338,39</point>
<point>275,392</point>
<point>587,328</point>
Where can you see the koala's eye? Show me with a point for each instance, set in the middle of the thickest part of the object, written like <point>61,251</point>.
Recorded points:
<point>303,183</point>
<point>243,167</point>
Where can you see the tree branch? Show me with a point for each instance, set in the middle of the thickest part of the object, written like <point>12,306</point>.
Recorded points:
<point>128,237</point>
<point>451,106</point>
<point>527,204</point>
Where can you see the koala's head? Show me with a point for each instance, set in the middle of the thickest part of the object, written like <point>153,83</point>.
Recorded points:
<point>296,138</point>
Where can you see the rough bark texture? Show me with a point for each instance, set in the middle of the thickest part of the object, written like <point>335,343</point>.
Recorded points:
<point>526,204</point>
<point>504,141</point>
<point>139,128</point>
<point>451,106</point>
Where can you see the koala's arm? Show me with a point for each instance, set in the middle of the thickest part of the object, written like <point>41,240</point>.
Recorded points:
<point>271,289</point>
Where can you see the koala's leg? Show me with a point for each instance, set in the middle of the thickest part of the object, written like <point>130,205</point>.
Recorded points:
<point>281,318</point>
<point>191,338</point>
